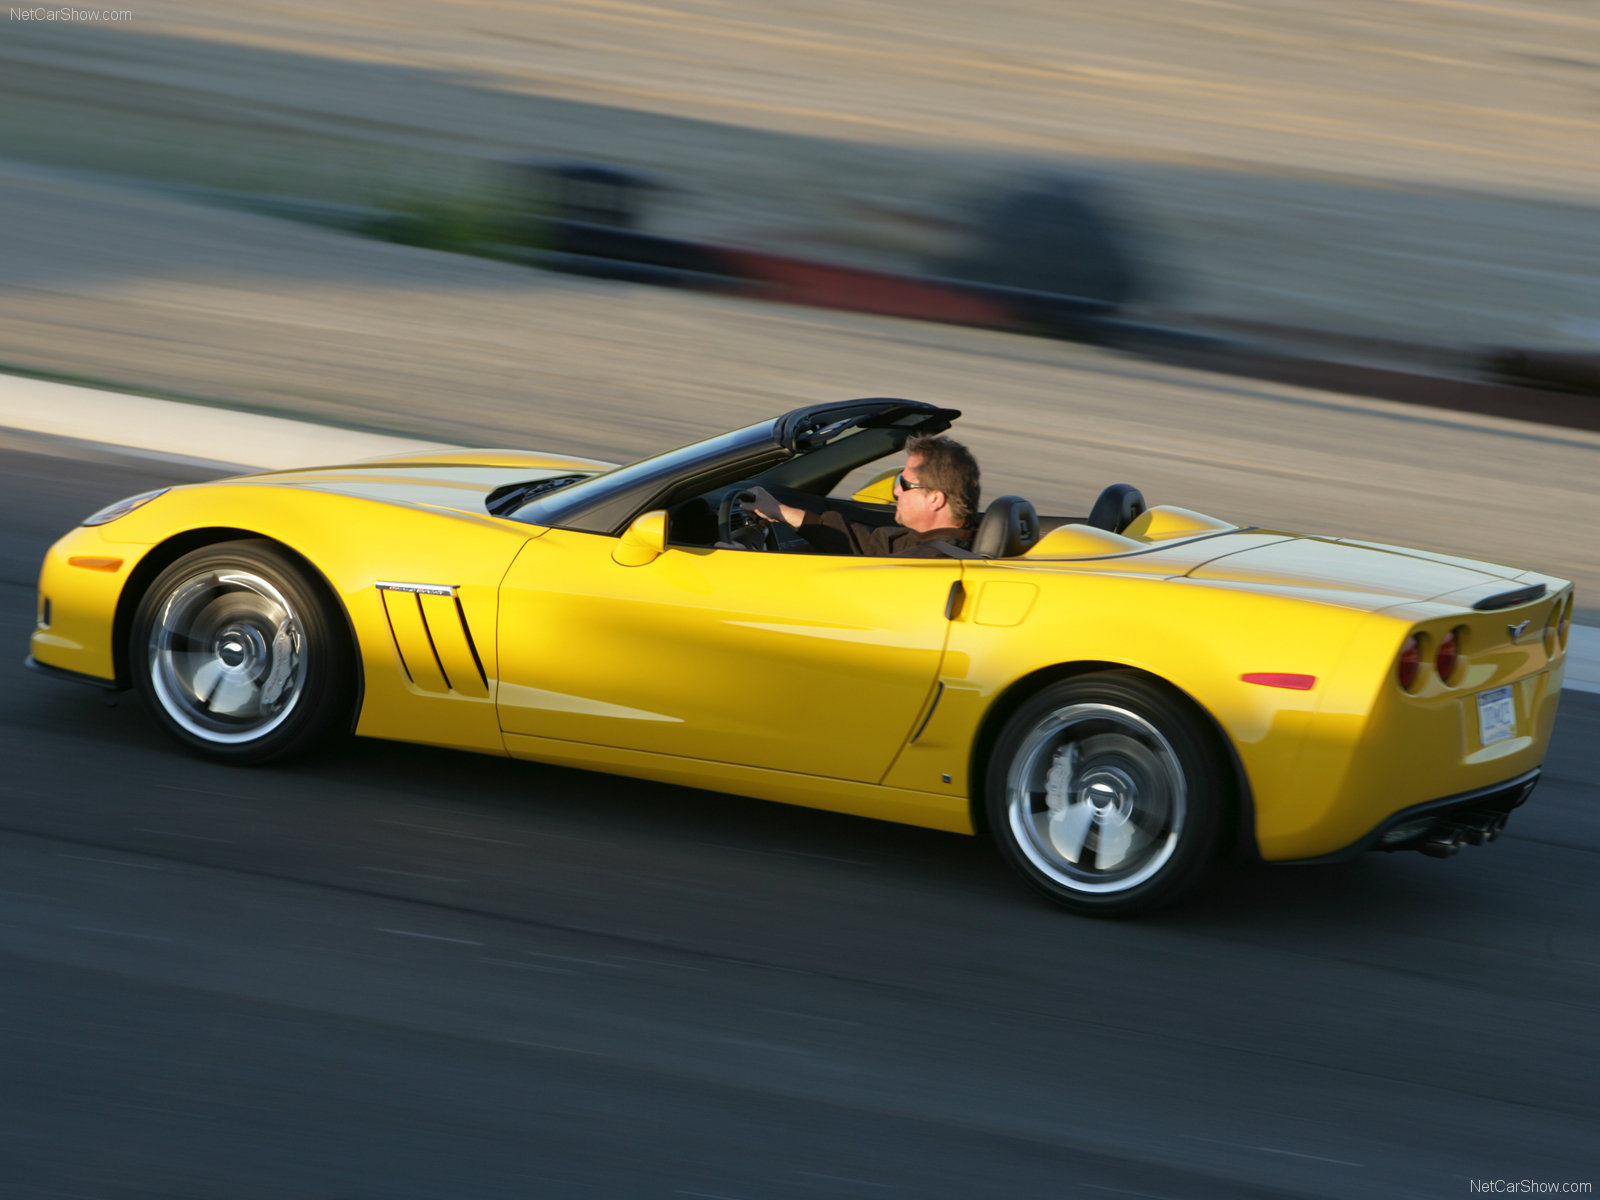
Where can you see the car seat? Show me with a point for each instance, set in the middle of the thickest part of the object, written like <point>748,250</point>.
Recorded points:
<point>1009,526</point>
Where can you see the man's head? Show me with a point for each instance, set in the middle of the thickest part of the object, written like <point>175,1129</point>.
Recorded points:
<point>939,487</point>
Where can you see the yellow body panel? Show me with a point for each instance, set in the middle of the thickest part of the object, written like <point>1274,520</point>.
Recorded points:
<point>946,811</point>
<point>78,637</point>
<point>1125,621</point>
<point>354,543</point>
<point>1375,749</point>
<point>854,684</point>
<point>802,663</point>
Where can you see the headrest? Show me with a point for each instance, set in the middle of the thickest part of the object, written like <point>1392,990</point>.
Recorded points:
<point>1116,507</point>
<point>1008,528</point>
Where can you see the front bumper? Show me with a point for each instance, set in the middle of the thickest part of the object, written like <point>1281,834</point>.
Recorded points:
<point>110,685</point>
<point>81,582</point>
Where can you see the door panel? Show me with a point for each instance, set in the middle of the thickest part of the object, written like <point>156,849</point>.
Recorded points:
<point>794,662</point>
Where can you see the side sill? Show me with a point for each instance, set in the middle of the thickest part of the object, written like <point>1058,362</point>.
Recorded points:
<point>110,685</point>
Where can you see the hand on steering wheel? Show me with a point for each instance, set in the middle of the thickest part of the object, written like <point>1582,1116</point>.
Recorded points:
<point>744,518</point>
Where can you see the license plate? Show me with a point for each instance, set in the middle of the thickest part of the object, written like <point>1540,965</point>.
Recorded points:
<point>1497,716</point>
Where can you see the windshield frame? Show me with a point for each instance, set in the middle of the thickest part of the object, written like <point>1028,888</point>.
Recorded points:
<point>608,502</point>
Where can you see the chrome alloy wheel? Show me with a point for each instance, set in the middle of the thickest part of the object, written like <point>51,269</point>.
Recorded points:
<point>1096,798</point>
<point>227,656</point>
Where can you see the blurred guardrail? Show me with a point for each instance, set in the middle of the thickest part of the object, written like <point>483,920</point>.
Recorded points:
<point>584,218</point>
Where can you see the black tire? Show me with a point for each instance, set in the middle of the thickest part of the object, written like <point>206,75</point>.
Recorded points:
<point>1106,794</point>
<point>240,657</point>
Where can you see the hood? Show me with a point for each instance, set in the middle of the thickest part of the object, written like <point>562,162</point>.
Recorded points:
<point>458,479</point>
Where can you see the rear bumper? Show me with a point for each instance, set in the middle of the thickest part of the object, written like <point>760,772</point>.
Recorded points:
<point>1441,827</point>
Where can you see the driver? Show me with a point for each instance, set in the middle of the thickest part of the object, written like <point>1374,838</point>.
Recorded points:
<point>936,504</point>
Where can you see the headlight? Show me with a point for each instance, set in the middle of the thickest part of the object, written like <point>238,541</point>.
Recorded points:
<point>123,507</point>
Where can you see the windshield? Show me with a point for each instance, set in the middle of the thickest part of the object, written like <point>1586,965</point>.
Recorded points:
<point>601,503</point>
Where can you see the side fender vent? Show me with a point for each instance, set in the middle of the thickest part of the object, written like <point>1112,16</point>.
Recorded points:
<point>434,643</point>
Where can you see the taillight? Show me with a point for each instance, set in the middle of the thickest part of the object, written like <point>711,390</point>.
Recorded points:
<point>1444,659</point>
<point>1410,662</point>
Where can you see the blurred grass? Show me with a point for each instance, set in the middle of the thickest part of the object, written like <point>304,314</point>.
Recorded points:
<point>462,222</point>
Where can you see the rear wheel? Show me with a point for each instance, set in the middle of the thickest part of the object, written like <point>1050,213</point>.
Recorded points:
<point>239,656</point>
<point>1106,794</point>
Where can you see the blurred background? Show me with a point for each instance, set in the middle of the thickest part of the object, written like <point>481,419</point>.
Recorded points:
<point>1403,169</point>
<point>395,975</point>
<point>1396,184</point>
<point>1407,168</point>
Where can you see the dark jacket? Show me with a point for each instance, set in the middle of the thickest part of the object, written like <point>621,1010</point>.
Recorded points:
<point>833,533</point>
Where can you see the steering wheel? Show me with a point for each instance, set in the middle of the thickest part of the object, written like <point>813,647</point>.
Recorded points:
<point>736,525</point>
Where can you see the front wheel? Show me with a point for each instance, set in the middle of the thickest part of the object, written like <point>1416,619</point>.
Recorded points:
<point>239,656</point>
<point>1106,794</point>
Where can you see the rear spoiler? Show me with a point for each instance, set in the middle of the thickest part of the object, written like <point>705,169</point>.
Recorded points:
<point>1511,599</point>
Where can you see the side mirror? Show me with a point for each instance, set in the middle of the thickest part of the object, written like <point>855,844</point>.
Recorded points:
<point>643,541</point>
<point>880,490</point>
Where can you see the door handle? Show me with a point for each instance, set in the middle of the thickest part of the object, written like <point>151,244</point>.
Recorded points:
<point>952,603</point>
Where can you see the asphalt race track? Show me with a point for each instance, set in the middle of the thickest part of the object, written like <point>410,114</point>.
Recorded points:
<point>395,972</point>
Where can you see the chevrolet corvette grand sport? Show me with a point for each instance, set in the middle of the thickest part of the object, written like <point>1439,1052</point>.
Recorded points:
<point>1119,701</point>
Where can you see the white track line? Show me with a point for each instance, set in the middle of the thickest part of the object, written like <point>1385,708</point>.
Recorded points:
<point>196,431</point>
<point>224,436</point>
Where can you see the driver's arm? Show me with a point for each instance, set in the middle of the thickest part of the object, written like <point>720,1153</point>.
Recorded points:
<point>791,515</point>
<point>827,530</point>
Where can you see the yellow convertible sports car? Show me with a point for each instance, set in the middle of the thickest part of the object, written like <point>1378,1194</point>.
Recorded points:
<point>1119,700</point>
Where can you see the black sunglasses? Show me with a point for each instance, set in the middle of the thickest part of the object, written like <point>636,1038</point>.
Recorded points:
<point>903,485</point>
